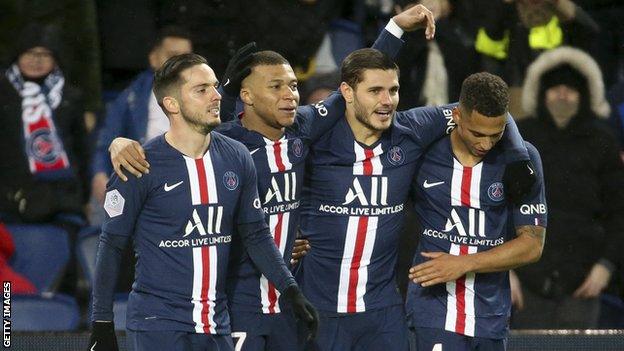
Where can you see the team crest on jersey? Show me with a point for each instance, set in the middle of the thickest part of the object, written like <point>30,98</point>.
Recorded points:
<point>297,147</point>
<point>395,155</point>
<point>230,180</point>
<point>496,192</point>
<point>114,203</point>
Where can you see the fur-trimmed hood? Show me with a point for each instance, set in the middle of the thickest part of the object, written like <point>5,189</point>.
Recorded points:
<point>578,60</point>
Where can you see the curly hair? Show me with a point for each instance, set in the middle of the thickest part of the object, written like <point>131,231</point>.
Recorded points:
<point>486,93</point>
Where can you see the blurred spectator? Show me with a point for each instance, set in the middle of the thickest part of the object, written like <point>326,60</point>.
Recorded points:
<point>584,176</point>
<point>78,42</point>
<point>19,283</point>
<point>135,113</point>
<point>43,172</point>
<point>319,86</point>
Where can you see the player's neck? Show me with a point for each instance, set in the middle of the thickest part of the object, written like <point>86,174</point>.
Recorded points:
<point>254,122</point>
<point>461,151</point>
<point>361,132</point>
<point>189,142</point>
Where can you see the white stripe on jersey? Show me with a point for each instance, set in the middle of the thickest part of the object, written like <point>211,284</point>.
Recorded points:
<point>198,286</point>
<point>360,157</point>
<point>270,149</point>
<point>281,245</point>
<point>194,179</point>
<point>452,304</point>
<point>456,182</point>
<point>347,292</point>
<point>475,183</point>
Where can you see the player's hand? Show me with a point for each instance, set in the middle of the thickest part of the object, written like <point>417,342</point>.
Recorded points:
<point>517,298</point>
<point>518,180</point>
<point>103,337</point>
<point>441,268</point>
<point>129,154</point>
<point>595,282</point>
<point>237,69</point>
<point>300,249</point>
<point>98,186</point>
<point>302,308</point>
<point>416,17</point>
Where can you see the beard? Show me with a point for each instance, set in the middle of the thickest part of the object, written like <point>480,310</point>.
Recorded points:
<point>364,117</point>
<point>562,112</point>
<point>197,123</point>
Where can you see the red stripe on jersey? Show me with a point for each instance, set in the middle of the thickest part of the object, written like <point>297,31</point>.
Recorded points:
<point>278,238</point>
<point>368,165</point>
<point>277,151</point>
<point>465,186</point>
<point>355,263</point>
<point>460,292</point>
<point>203,182</point>
<point>205,287</point>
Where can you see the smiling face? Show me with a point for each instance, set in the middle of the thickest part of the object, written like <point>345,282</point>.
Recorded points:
<point>271,93</point>
<point>375,98</point>
<point>199,102</point>
<point>477,132</point>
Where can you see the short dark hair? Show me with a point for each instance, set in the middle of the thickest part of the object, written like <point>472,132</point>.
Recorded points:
<point>267,57</point>
<point>354,65</point>
<point>168,75</point>
<point>486,93</point>
<point>170,31</point>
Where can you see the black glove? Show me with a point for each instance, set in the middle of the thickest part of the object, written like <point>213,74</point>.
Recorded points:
<point>238,69</point>
<point>302,308</point>
<point>103,337</point>
<point>518,180</point>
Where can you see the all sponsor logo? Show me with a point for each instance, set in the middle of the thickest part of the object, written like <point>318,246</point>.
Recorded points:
<point>396,156</point>
<point>496,192</point>
<point>378,194</point>
<point>230,180</point>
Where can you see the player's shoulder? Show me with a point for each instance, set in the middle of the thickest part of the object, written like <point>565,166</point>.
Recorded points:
<point>229,146</point>
<point>157,149</point>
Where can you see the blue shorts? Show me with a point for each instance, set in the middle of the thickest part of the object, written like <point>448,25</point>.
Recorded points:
<point>178,341</point>
<point>432,339</point>
<point>254,331</point>
<point>377,330</point>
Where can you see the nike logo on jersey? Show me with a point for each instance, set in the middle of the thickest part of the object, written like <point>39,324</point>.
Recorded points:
<point>171,187</point>
<point>226,82</point>
<point>253,151</point>
<point>427,185</point>
<point>530,170</point>
<point>93,347</point>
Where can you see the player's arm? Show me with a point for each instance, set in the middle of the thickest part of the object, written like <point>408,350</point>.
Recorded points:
<point>261,248</point>
<point>317,119</point>
<point>525,248</point>
<point>123,202</point>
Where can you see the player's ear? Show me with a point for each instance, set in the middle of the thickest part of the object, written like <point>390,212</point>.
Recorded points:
<point>347,92</point>
<point>171,104</point>
<point>246,96</point>
<point>456,115</point>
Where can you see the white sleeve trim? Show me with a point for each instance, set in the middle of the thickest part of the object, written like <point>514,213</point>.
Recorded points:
<point>394,29</point>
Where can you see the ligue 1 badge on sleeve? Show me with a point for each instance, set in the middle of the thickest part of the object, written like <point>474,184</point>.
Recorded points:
<point>114,203</point>
<point>230,180</point>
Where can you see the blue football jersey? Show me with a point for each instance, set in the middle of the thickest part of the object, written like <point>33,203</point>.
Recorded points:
<point>183,216</point>
<point>463,210</point>
<point>280,166</point>
<point>352,210</point>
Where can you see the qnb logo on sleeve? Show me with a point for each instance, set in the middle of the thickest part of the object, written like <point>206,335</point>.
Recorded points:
<point>530,209</point>
<point>321,109</point>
